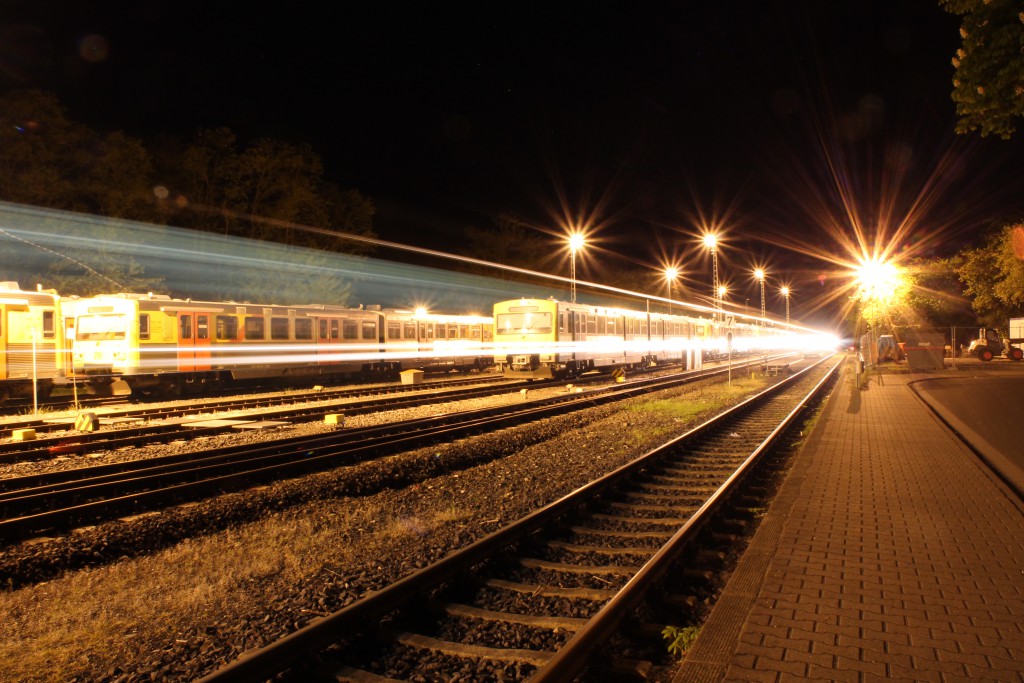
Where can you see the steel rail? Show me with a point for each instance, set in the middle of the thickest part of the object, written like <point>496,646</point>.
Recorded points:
<point>285,653</point>
<point>107,495</point>
<point>571,659</point>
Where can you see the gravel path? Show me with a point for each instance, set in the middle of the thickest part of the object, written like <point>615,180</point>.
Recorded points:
<point>174,595</point>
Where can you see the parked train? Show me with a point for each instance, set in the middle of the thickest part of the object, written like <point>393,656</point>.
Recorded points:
<point>156,344</point>
<point>544,338</point>
<point>153,344</point>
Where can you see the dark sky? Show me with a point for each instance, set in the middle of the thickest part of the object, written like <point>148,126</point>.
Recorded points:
<point>646,118</point>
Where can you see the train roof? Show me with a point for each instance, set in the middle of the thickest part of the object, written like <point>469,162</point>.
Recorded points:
<point>12,293</point>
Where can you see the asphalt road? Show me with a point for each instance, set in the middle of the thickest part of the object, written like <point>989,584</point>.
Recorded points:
<point>985,408</point>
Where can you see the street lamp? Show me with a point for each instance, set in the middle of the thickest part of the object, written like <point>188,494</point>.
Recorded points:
<point>711,242</point>
<point>671,274</point>
<point>759,274</point>
<point>785,295</point>
<point>576,242</point>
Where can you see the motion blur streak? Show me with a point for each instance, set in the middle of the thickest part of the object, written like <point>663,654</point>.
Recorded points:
<point>195,264</point>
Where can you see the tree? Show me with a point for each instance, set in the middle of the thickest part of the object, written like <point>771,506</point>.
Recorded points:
<point>47,160</point>
<point>39,150</point>
<point>937,296</point>
<point>988,87</point>
<point>268,190</point>
<point>993,275</point>
<point>511,241</point>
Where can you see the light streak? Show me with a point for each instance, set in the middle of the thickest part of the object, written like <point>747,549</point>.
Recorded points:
<point>190,262</point>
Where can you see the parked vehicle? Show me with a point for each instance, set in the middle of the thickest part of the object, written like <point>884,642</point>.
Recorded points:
<point>990,343</point>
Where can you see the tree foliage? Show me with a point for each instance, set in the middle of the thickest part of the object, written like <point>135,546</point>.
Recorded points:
<point>511,242</point>
<point>937,296</point>
<point>50,161</point>
<point>993,275</point>
<point>267,190</point>
<point>988,87</point>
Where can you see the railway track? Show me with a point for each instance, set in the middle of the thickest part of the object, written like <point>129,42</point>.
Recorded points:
<point>240,403</point>
<point>189,422</point>
<point>543,597</point>
<point>161,424</point>
<point>69,498</point>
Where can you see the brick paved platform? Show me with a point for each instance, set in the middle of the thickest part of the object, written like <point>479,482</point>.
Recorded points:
<point>890,552</point>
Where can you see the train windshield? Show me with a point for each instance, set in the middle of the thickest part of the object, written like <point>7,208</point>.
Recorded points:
<point>100,327</point>
<point>524,323</point>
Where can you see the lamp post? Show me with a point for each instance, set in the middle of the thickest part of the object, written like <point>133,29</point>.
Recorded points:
<point>785,295</point>
<point>878,282</point>
<point>671,274</point>
<point>759,274</point>
<point>576,243</point>
<point>711,242</point>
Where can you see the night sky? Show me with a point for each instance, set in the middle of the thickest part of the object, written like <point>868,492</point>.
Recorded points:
<point>647,120</point>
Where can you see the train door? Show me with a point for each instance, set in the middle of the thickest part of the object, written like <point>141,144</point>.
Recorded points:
<point>328,336</point>
<point>3,345</point>
<point>193,342</point>
<point>576,332</point>
<point>186,343</point>
<point>67,364</point>
<point>425,338</point>
<point>202,342</point>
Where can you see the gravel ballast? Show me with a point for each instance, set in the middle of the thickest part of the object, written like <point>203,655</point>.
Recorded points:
<point>174,595</point>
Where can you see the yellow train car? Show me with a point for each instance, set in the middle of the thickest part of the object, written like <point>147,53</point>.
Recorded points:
<point>33,355</point>
<point>145,343</point>
<point>153,344</point>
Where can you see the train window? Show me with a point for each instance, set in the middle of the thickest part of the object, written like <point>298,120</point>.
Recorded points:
<point>475,332</point>
<point>369,330</point>
<point>591,324</point>
<point>349,329</point>
<point>334,329</point>
<point>440,330</point>
<point>227,327</point>
<point>453,332</point>
<point>409,330</point>
<point>524,323</point>
<point>611,326</point>
<point>464,332</point>
<point>100,327</point>
<point>279,328</point>
<point>303,328</point>
<point>144,326</point>
<point>185,327</point>
<point>394,329</point>
<point>322,328</point>
<point>428,331</point>
<point>254,328</point>
<point>202,327</point>
<point>488,335</point>
<point>48,331</point>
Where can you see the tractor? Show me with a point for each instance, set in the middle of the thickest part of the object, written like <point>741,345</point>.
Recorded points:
<point>990,344</point>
